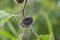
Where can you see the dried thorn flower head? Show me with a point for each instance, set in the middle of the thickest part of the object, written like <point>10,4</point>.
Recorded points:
<point>26,21</point>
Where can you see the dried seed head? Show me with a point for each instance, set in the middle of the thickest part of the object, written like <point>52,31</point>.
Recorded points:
<point>20,1</point>
<point>26,21</point>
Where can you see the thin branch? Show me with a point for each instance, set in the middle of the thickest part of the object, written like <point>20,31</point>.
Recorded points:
<point>24,8</point>
<point>25,4</point>
<point>23,33</point>
<point>35,33</point>
<point>24,17</point>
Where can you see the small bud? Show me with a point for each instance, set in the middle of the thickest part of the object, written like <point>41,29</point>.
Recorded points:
<point>20,1</point>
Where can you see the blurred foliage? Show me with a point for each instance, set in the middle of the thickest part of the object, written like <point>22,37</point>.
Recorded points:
<point>44,37</point>
<point>46,17</point>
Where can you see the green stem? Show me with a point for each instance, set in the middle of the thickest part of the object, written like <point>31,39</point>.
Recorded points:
<point>35,33</point>
<point>12,28</point>
<point>49,27</point>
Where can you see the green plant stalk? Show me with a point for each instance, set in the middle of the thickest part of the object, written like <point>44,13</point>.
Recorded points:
<point>49,26</point>
<point>35,33</point>
<point>12,29</point>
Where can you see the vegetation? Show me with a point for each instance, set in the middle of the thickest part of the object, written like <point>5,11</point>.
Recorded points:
<point>45,14</point>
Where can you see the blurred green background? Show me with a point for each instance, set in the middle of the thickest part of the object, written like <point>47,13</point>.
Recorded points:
<point>45,13</point>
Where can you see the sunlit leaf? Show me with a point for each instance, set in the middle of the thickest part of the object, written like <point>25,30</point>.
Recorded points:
<point>44,37</point>
<point>4,17</point>
<point>6,34</point>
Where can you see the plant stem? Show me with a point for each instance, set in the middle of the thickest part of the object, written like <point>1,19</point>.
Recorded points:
<point>24,17</point>
<point>35,33</point>
<point>24,33</point>
<point>49,26</point>
<point>12,28</point>
<point>24,8</point>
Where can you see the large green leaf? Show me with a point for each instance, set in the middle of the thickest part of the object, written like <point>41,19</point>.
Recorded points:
<point>4,17</point>
<point>6,35</point>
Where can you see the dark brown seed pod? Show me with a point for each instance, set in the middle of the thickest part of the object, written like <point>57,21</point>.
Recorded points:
<point>26,21</point>
<point>20,1</point>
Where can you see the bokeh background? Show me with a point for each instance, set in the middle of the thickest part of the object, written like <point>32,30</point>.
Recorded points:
<point>45,13</point>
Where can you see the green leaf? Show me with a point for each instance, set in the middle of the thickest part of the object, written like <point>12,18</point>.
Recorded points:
<point>4,17</point>
<point>44,37</point>
<point>3,14</point>
<point>7,35</point>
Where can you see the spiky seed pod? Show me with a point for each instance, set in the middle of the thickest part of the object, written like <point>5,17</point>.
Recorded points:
<point>20,1</point>
<point>27,21</point>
